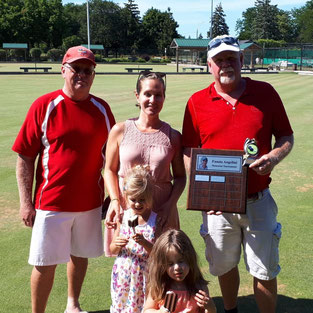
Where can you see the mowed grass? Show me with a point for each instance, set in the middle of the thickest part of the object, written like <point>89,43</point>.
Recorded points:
<point>101,67</point>
<point>292,188</point>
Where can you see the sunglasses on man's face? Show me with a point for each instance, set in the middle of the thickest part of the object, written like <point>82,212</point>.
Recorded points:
<point>75,69</point>
<point>227,40</point>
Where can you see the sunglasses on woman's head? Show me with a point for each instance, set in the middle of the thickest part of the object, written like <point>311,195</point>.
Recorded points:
<point>227,40</point>
<point>147,74</point>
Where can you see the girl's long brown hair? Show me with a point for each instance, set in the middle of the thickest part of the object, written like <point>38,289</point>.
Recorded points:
<point>158,280</point>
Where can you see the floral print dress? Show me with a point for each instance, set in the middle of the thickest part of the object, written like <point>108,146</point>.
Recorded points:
<point>128,280</point>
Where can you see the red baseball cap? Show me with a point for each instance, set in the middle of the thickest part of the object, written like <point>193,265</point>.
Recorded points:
<point>78,53</point>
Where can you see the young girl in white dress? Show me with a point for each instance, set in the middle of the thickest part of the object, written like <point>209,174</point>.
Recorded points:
<point>173,268</point>
<point>132,242</point>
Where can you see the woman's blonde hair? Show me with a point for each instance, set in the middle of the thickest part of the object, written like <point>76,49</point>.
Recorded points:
<point>158,280</point>
<point>137,183</point>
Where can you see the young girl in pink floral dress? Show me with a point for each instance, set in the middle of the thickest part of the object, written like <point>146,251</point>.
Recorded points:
<point>132,242</point>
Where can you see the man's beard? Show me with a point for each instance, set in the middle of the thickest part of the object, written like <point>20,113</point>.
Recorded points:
<point>227,79</point>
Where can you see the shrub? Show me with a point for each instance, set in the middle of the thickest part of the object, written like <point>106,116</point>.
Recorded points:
<point>146,57</point>
<point>44,57</point>
<point>35,54</point>
<point>141,60</point>
<point>166,60</point>
<point>43,47</point>
<point>113,60</point>
<point>17,54</point>
<point>2,55</point>
<point>116,60</point>
<point>55,54</point>
<point>71,41</point>
<point>98,57</point>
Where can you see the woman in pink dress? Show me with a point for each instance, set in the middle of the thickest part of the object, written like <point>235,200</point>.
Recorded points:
<point>146,140</point>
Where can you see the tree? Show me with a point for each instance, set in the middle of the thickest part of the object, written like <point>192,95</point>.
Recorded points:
<point>132,26</point>
<point>286,26</point>
<point>74,17</point>
<point>219,26</point>
<point>106,26</point>
<point>304,22</point>
<point>266,21</point>
<point>265,24</point>
<point>53,13</point>
<point>10,20</point>
<point>244,25</point>
<point>159,30</point>
<point>31,21</point>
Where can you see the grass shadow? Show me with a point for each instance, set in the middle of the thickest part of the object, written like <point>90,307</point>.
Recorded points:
<point>247,304</point>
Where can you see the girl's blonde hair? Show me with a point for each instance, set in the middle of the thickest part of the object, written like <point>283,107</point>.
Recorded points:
<point>158,280</point>
<point>137,183</point>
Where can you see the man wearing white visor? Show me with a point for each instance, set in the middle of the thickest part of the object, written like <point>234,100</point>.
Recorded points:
<point>223,116</point>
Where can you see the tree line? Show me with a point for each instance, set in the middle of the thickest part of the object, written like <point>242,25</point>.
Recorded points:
<point>266,24</point>
<point>48,24</point>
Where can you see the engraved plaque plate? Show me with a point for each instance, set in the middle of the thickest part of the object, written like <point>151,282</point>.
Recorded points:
<point>218,181</point>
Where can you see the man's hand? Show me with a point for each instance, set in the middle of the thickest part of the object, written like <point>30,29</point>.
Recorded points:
<point>264,165</point>
<point>27,214</point>
<point>24,176</point>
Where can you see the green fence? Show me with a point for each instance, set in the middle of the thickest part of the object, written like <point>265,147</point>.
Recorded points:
<point>301,55</point>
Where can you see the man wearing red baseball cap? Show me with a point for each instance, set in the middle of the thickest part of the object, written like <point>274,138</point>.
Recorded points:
<point>66,130</point>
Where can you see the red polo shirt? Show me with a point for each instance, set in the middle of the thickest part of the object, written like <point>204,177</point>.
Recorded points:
<point>68,138</point>
<point>211,122</point>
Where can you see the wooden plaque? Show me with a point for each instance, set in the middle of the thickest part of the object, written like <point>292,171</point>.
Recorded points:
<point>218,181</point>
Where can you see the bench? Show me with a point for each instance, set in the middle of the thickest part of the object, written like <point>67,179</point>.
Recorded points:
<point>139,69</point>
<point>26,69</point>
<point>248,69</point>
<point>255,69</point>
<point>193,68</point>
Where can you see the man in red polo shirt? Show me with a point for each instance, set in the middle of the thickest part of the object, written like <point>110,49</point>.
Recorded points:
<point>223,116</point>
<point>66,130</point>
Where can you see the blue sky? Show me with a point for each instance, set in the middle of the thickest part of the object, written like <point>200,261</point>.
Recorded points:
<point>193,16</point>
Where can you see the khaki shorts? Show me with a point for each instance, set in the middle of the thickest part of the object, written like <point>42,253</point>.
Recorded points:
<point>257,232</point>
<point>58,235</point>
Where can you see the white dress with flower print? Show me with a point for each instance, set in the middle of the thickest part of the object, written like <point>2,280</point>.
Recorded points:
<point>128,281</point>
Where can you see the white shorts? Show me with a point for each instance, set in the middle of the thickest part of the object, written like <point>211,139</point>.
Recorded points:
<point>257,232</point>
<point>58,235</point>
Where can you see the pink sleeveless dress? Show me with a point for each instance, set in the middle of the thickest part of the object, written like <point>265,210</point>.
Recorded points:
<point>153,149</point>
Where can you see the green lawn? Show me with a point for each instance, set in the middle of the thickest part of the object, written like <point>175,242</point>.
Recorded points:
<point>103,67</point>
<point>292,188</point>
